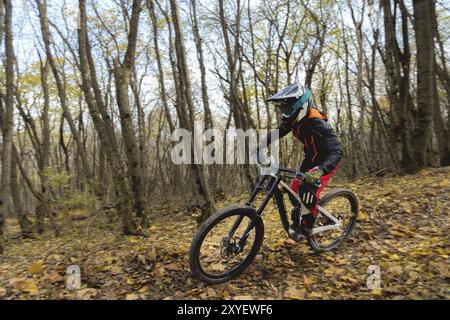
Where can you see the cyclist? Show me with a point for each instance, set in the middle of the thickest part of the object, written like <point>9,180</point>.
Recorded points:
<point>322,148</point>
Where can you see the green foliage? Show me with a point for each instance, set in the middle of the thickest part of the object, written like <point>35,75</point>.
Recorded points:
<point>77,199</point>
<point>57,179</point>
<point>68,199</point>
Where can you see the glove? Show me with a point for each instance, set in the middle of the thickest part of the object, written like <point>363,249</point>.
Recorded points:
<point>312,175</point>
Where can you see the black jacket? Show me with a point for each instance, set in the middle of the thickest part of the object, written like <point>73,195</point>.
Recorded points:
<point>321,145</point>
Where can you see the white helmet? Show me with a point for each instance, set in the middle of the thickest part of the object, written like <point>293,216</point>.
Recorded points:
<point>294,101</point>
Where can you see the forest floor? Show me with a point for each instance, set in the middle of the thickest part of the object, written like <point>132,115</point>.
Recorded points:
<point>403,228</point>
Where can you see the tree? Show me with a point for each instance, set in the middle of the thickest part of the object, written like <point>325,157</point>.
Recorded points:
<point>7,121</point>
<point>122,74</point>
<point>104,125</point>
<point>186,110</point>
<point>423,18</point>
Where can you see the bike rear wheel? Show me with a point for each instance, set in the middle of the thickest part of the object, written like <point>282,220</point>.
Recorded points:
<point>343,205</point>
<point>215,256</point>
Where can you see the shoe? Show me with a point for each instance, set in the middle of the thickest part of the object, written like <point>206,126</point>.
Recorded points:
<point>300,233</point>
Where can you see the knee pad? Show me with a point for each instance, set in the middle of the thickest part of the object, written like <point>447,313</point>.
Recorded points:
<point>308,195</point>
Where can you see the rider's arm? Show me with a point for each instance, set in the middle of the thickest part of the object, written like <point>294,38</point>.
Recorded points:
<point>332,147</point>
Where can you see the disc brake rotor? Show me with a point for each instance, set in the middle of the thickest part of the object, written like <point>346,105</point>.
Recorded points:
<point>229,247</point>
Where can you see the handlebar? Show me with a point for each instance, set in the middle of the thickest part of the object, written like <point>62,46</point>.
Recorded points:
<point>290,173</point>
<point>316,183</point>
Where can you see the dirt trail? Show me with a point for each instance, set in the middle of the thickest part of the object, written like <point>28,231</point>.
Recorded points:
<point>403,229</point>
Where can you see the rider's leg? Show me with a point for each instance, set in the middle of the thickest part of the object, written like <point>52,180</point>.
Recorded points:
<point>308,219</point>
<point>305,192</point>
<point>295,183</point>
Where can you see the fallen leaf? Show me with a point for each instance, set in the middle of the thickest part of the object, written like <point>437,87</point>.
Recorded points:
<point>130,281</point>
<point>133,240</point>
<point>116,270</point>
<point>243,298</point>
<point>31,287</point>
<point>294,294</point>
<point>143,290</point>
<point>394,257</point>
<point>131,296</point>
<point>173,266</point>
<point>315,295</point>
<point>36,267</point>
<point>362,216</point>
<point>54,277</point>
<point>86,294</point>
<point>159,272</point>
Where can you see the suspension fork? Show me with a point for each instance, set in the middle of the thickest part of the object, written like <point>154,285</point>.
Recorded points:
<point>252,197</point>
<point>251,224</point>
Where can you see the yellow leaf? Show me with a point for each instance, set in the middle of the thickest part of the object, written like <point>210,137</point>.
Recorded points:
<point>143,290</point>
<point>362,216</point>
<point>307,280</point>
<point>133,240</point>
<point>294,294</point>
<point>394,257</point>
<point>87,294</point>
<point>395,270</point>
<point>131,296</point>
<point>35,268</point>
<point>2,292</point>
<point>174,266</point>
<point>31,287</point>
<point>54,277</point>
<point>315,295</point>
<point>116,270</point>
<point>243,298</point>
<point>218,267</point>
<point>279,243</point>
<point>444,183</point>
<point>159,272</point>
<point>376,291</point>
<point>442,251</point>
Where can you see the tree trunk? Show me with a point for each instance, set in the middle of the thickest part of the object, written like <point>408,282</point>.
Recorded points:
<point>206,203</point>
<point>20,211</point>
<point>7,122</point>
<point>423,13</point>
<point>122,74</point>
<point>103,125</point>
<point>42,7</point>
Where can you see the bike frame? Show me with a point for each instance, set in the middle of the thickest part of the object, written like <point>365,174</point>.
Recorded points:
<point>274,184</point>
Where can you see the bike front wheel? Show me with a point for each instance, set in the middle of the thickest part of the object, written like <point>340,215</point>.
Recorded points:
<point>342,205</point>
<point>218,253</point>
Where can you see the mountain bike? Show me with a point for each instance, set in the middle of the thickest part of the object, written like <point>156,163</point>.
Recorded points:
<point>228,241</point>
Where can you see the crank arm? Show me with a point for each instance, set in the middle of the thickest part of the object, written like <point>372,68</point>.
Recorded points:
<point>326,228</point>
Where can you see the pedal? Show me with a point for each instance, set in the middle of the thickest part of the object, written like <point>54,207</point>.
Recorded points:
<point>296,235</point>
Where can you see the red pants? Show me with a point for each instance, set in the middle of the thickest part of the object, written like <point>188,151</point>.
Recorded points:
<point>323,180</point>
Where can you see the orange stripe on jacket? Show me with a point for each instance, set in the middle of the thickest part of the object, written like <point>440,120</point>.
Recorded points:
<point>314,147</point>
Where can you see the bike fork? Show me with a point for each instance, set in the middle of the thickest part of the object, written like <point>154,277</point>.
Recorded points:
<point>251,224</point>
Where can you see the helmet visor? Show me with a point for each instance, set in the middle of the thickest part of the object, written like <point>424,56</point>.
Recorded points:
<point>291,91</point>
<point>285,106</point>
<point>285,109</point>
